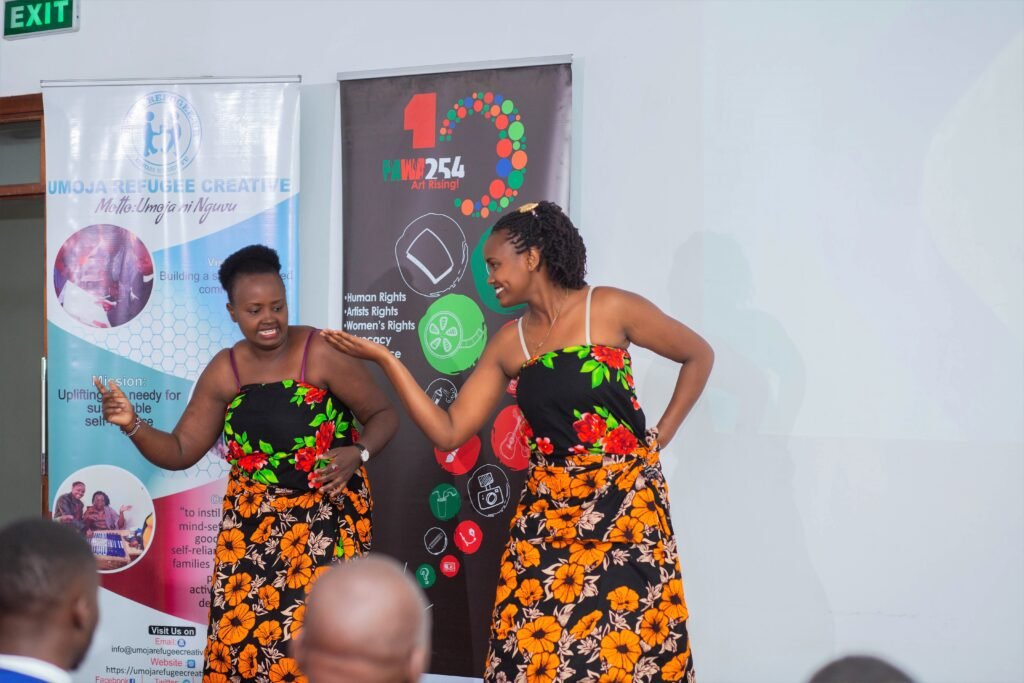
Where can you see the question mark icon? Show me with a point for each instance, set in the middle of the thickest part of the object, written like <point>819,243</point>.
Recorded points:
<point>426,575</point>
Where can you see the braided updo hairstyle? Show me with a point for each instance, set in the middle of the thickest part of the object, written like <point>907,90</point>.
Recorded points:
<point>544,225</point>
<point>255,259</point>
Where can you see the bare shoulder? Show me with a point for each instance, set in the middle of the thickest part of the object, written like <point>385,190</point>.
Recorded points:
<point>616,314</point>
<point>331,368</point>
<point>218,380</point>
<point>507,333</point>
<point>505,350</point>
<point>616,300</point>
<point>322,355</point>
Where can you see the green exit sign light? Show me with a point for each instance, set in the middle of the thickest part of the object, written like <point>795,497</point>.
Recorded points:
<point>23,18</point>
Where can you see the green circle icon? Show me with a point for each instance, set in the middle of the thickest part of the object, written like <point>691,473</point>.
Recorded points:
<point>479,268</point>
<point>453,333</point>
<point>425,575</point>
<point>445,501</point>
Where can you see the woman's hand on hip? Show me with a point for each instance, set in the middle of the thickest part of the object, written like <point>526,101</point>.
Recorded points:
<point>333,477</point>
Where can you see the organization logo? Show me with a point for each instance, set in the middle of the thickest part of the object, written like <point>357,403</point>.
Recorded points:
<point>486,194</point>
<point>163,132</point>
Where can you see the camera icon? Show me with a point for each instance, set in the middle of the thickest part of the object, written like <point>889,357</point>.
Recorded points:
<point>490,495</point>
<point>488,490</point>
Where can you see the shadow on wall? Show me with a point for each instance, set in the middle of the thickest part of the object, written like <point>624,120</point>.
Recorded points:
<point>757,601</point>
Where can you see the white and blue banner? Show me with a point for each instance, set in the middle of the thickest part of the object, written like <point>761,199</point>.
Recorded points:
<point>149,185</point>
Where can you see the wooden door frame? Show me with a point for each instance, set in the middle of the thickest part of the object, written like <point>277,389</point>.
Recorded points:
<point>14,109</point>
<point>25,108</point>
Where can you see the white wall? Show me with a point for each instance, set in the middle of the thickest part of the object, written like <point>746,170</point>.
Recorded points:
<point>830,192</point>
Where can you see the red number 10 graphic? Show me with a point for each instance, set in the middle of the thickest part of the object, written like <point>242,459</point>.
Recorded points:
<point>420,118</point>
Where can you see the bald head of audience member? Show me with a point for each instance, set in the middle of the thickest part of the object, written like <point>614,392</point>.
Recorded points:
<point>366,622</point>
<point>48,593</point>
<point>860,669</point>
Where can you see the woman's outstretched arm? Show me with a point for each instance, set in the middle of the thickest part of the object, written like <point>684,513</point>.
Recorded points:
<point>449,429</point>
<point>197,429</point>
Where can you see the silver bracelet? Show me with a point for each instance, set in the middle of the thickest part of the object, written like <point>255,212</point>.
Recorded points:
<point>135,427</point>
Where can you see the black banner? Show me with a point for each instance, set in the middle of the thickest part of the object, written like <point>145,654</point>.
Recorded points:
<point>429,163</point>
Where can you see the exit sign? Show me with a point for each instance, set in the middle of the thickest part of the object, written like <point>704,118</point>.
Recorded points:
<point>23,18</point>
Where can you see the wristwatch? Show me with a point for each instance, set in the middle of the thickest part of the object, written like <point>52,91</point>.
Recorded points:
<point>364,452</point>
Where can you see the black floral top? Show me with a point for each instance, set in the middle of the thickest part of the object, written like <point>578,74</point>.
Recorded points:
<point>278,433</point>
<point>580,400</point>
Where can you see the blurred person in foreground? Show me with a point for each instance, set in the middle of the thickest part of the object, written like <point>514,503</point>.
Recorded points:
<point>48,601</point>
<point>860,669</point>
<point>366,622</point>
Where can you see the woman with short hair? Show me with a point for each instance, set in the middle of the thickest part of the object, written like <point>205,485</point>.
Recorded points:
<point>286,406</point>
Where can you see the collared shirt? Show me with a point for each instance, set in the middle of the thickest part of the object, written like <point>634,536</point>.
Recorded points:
<point>69,505</point>
<point>35,668</point>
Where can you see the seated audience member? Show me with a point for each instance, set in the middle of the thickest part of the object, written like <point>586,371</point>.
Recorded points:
<point>69,507</point>
<point>48,601</point>
<point>101,517</point>
<point>860,669</point>
<point>366,622</point>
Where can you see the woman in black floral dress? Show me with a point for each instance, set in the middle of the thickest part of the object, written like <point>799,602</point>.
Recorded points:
<point>297,496</point>
<point>590,587</point>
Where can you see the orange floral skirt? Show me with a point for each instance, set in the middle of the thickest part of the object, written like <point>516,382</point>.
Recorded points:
<point>273,544</point>
<point>590,587</point>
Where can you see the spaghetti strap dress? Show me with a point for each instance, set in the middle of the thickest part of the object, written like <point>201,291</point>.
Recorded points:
<point>278,533</point>
<point>590,587</point>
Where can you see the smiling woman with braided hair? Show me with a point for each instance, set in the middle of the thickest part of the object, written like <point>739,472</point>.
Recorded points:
<point>285,405</point>
<point>590,586</point>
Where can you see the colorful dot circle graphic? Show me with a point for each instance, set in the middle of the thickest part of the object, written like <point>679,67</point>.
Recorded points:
<point>510,168</point>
